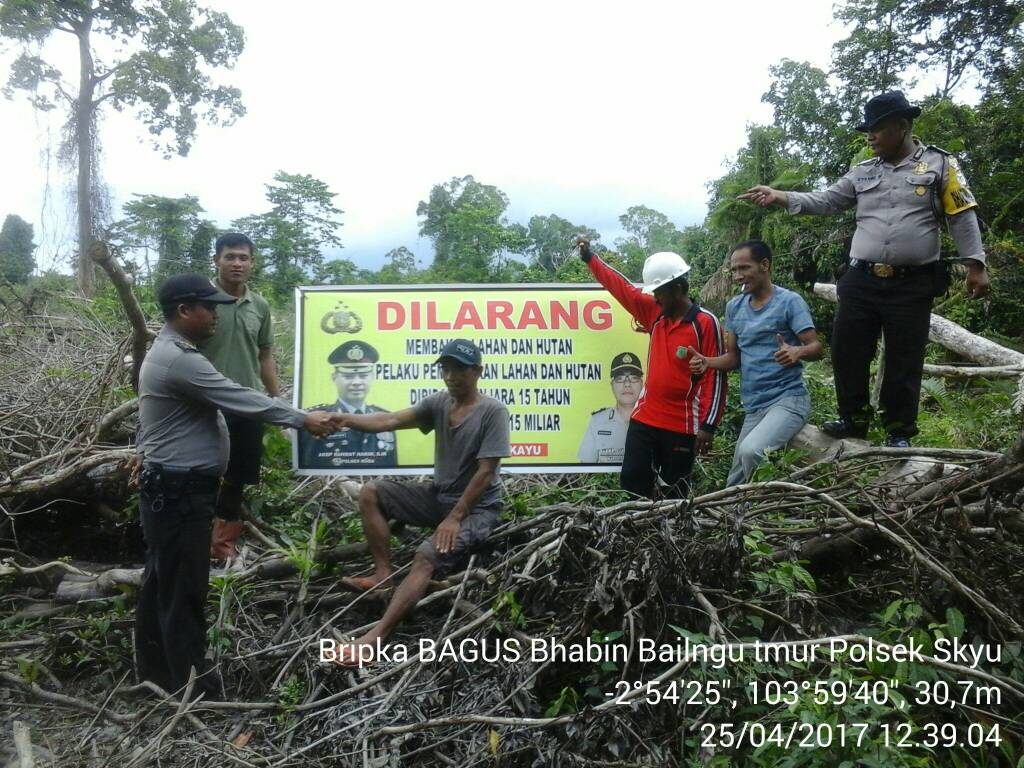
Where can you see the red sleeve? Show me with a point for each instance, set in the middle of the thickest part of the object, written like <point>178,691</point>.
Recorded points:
<point>640,305</point>
<point>713,386</point>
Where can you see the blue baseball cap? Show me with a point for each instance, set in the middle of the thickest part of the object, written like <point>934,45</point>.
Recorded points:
<point>461,351</point>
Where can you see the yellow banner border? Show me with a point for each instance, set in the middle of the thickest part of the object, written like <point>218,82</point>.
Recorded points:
<point>428,469</point>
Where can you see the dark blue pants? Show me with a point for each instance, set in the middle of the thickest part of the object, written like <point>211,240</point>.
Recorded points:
<point>652,453</point>
<point>869,305</point>
<point>170,622</point>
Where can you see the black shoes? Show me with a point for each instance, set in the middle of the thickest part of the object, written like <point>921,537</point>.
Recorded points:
<point>894,441</point>
<point>845,428</point>
<point>849,429</point>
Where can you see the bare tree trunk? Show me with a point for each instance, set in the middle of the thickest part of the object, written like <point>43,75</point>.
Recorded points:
<point>83,139</point>
<point>953,337</point>
<point>100,254</point>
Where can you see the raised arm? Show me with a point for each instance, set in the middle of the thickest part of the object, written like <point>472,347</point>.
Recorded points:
<point>639,304</point>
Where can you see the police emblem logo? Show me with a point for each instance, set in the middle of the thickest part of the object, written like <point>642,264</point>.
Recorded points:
<point>920,191</point>
<point>341,319</point>
<point>627,359</point>
<point>355,354</point>
<point>921,167</point>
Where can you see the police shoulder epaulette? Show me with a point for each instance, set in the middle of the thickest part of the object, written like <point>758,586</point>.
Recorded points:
<point>599,410</point>
<point>186,346</point>
<point>321,407</point>
<point>869,161</point>
<point>940,150</point>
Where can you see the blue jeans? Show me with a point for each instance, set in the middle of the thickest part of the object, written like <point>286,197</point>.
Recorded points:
<point>767,429</point>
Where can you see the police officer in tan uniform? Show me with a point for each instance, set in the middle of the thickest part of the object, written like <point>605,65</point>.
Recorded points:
<point>605,439</point>
<point>901,196</point>
<point>353,374</point>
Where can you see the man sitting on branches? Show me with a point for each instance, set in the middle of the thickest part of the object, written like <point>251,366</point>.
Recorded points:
<point>464,500</point>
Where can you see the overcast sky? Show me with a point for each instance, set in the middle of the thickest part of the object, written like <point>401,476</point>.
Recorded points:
<point>570,107</point>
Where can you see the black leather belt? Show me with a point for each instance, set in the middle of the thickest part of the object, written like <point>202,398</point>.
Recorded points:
<point>176,480</point>
<point>890,270</point>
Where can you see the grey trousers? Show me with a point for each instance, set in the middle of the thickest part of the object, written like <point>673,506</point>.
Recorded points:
<point>764,430</point>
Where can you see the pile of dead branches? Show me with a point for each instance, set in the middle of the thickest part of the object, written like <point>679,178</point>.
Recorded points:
<point>64,400</point>
<point>863,525</point>
<point>821,552</point>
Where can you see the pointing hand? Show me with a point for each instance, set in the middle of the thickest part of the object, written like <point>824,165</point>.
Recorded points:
<point>764,196</point>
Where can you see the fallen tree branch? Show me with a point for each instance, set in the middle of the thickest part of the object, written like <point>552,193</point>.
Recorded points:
<point>64,474</point>
<point>953,337</point>
<point>63,700</point>
<point>974,371</point>
<point>141,335</point>
<point>115,417</point>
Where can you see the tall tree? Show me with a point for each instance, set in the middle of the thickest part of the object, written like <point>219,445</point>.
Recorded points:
<point>166,225</point>
<point>891,40</point>
<point>550,241</point>
<point>465,221</point>
<point>815,125</point>
<point>399,266</point>
<point>649,231</point>
<point>17,250</point>
<point>200,250</point>
<point>160,72</point>
<point>877,53</point>
<point>293,234</point>
<point>341,272</point>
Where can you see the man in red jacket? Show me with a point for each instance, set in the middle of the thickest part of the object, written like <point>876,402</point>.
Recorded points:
<point>676,415</point>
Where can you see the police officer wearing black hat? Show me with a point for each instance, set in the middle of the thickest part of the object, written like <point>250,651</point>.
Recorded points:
<point>901,196</point>
<point>605,438</point>
<point>353,374</point>
<point>183,452</point>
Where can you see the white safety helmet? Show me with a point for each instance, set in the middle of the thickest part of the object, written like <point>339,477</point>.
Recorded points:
<point>663,267</point>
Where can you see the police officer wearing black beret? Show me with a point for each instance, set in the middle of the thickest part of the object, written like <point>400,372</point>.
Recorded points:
<point>183,449</point>
<point>353,374</point>
<point>901,196</point>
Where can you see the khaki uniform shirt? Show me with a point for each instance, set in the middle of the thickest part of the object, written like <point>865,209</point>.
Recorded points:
<point>181,395</point>
<point>243,329</point>
<point>605,440</point>
<point>899,208</point>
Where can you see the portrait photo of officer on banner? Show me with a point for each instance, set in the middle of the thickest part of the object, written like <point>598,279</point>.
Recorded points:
<point>353,374</point>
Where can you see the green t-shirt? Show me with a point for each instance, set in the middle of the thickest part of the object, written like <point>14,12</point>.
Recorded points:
<point>243,329</point>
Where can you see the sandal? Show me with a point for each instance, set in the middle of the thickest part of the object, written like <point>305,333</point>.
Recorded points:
<point>366,584</point>
<point>346,656</point>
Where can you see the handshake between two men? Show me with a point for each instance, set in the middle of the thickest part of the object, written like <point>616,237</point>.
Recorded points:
<point>322,423</point>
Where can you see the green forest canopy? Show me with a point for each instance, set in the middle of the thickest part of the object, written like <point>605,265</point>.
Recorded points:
<point>809,143</point>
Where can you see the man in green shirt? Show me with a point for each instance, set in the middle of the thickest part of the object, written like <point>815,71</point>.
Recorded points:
<point>242,350</point>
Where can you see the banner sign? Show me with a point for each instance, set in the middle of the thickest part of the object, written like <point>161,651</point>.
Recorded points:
<point>564,359</point>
